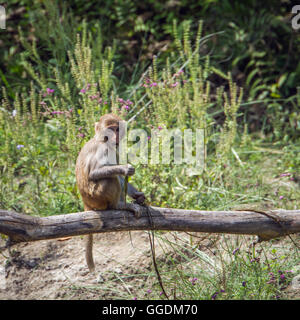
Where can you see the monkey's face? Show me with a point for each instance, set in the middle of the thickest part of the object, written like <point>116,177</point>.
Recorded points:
<point>108,134</point>
<point>112,135</point>
<point>108,129</point>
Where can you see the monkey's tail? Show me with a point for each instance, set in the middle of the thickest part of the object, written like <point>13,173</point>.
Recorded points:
<point>89,252</point>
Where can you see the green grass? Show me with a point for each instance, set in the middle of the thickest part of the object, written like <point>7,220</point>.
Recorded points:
<point>41,132</point>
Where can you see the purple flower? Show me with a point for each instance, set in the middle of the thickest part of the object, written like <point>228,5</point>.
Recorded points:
<point>159,127</point>
<point>235,251</point>
<point>19,146</point>
<point>174,84</point>
<point>57,112</point>
<point>126,107</point>
<point>244,283</point>
<point>281,197</point>
<point>214,296</point>
<point>81,135</point>
<point>148,138</point>
<point>149,291</point>
<point>82,91</point>
<point>49,91</point>
<point>154,84</point>
<point>282,277</point>
<point>287,174</point>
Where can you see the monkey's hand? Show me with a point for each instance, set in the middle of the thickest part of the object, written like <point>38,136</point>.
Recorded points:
<point>139,197</point>
<point>129,170</point>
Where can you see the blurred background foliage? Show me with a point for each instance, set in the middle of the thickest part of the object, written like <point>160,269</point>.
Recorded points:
<point>252,39</point>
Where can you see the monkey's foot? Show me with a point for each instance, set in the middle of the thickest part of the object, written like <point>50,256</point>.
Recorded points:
<point>135,208</point>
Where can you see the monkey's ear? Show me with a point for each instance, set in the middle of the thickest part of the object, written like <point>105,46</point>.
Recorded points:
<point>97,126</point>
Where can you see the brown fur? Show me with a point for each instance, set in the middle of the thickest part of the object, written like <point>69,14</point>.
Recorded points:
<point>97,181</point>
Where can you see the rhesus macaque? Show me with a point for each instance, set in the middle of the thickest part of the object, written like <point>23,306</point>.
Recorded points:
<point>100,182</point>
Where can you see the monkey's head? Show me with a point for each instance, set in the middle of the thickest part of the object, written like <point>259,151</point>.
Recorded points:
<point>107,129</point>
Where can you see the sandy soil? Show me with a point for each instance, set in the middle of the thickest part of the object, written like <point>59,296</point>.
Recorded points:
<point>55,269</point>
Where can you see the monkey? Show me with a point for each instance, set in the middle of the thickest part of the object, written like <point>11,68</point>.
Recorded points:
<point>100,180</point>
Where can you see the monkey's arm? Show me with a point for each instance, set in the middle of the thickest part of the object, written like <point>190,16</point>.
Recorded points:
<point>110,171</point>
<point>133,192</point>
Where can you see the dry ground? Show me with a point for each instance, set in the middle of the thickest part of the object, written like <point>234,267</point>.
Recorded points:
<point>56,269</point>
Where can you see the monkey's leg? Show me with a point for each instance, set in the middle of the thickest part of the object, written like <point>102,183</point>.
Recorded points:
<point>89,247</point>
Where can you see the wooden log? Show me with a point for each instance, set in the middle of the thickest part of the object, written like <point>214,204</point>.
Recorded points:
<point>21,227</point>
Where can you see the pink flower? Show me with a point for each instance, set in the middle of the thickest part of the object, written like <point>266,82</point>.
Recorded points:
<point>285,174</point>
<point>126,107</point>
<point>81,135</point>
<point>82,91</point>
<point>49,91</point>
<point>154,84</point>
<point>281,197</point>
<point>159,128</point>
<point>57,112</point>
<point>174,84</point>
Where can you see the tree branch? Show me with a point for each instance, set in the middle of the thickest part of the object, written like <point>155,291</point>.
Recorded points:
<point>21,227</point>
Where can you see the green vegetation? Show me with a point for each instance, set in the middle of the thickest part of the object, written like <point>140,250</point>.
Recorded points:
<point>235,77</point>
